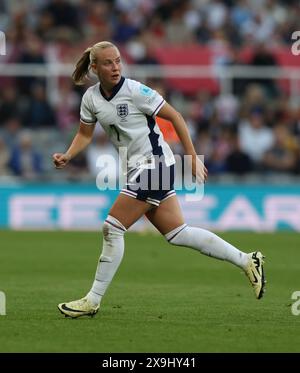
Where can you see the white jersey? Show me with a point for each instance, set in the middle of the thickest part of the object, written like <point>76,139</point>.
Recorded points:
<point>128,118</point>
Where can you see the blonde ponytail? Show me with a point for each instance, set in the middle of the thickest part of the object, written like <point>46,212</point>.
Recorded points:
<point>82,67</point>
<point>89,56</point>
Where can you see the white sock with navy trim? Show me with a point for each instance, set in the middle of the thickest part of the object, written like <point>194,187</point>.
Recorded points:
<point>110,259</point>
<point>207,243</point>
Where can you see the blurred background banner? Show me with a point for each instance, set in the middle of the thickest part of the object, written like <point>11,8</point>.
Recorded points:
<point>224,207</point>
<point>232,68</point>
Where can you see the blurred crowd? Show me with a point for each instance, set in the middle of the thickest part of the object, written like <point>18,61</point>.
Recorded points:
<point>254,129</point>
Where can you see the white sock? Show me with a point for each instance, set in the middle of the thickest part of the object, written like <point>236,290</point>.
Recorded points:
<point>207,243</point>
<point>110,259</point>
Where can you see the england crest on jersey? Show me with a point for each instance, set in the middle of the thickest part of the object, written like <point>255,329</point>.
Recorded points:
<point>122,110</point>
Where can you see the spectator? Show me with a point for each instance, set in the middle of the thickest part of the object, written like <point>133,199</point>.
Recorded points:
<point>237,161</point>
<point>9,105</point>
<point>4,158</point>
<point>265,58</point>
<point>227,109</point>
<point>216,163</point>
<point>176,32</point>
<point>32,54</point>
<point>255,138</point>
<point>283,156</point>
<point>25,160</point>
<point>295,122</point>
<point>63,14</point>
<point>66,103</point>
<point>39,112</point>
<point>124,30</point>
<point>11,130</point>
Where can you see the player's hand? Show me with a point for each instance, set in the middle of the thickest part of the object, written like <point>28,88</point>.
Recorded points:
<point>60,160</point>
<point>199,170</point>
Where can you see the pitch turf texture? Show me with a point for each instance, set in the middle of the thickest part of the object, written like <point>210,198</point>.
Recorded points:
<point>163,298</point>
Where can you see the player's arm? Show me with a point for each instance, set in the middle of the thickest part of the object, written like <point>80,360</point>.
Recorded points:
<point>169,113</point>
<point>81,140</point>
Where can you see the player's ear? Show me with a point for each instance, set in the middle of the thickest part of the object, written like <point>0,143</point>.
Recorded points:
<point>93,66</point>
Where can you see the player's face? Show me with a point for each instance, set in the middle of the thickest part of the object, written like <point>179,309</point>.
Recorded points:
<point>108,67</point>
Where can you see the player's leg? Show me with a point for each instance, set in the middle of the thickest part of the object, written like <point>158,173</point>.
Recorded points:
<point>167,216</point>
<point>168,219</point>
<point>125,212</point>
<point>128,209</point>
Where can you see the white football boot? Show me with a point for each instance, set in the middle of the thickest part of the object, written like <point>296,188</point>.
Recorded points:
<point>255,273</point>
<point>77,308</point>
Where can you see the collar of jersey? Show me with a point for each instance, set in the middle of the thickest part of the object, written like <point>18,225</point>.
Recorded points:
<point>115,90</point>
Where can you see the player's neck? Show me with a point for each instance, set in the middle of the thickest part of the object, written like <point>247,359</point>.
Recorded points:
<point>106,90</point>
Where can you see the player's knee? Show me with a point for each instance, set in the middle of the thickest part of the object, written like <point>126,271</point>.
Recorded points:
<point>110,233</point>
<point>106,230</point>
<point>113,236</point>
<point>176,236</point>
<point>112,227</point>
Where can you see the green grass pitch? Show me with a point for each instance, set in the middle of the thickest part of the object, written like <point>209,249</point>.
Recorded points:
<point>163,298</point>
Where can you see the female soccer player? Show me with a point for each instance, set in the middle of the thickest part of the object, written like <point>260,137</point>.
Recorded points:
<point>126,109</point>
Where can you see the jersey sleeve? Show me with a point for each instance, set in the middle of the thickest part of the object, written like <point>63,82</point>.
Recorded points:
<point>87,115</point>
<point>147,100</point>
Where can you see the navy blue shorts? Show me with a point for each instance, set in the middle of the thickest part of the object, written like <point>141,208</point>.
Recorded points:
<point>152,185</point>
